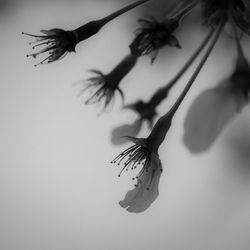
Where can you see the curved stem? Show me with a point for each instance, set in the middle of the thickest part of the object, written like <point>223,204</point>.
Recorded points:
<point>162,92</point>
<point>182,9</point>
<point>117,13</point>
<point>186,10</point>
<point>197,71</point>
<point>237,40</point>
<point>162,126</point>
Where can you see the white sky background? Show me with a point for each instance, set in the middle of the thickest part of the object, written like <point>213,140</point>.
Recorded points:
<point>57,188</point>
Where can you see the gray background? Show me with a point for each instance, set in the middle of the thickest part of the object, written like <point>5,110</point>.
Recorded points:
<point>57,188</point>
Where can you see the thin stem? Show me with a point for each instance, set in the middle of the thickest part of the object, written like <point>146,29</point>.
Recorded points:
<point>162,92</point>
<point>162,126</point>
<point>117,13</point>
<point>186,11</point>
<point>197,71</point>
<point>238,43</point>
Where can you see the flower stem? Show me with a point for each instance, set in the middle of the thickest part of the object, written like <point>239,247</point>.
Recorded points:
<point>162,126</point>
<point>122,69</point>
<point>185,11</point>
<point>238,43</point>
<point>117,13</point>
<point>197,71</point>
<point>162,92</point>
<point>91,28</point>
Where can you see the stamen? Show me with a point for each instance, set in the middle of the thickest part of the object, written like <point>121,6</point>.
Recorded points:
<point>24,33</point>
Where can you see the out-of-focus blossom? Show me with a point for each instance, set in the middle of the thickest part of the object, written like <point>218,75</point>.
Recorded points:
<point>154,35</point>
<point>144,111</point>
<point>103,87</point>
<point>58,42</point>
<point>214,108</point>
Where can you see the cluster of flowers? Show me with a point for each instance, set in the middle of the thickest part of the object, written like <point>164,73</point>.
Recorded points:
<point>208,114</point>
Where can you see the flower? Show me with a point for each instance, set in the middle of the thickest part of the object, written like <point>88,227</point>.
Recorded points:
<point>214,108</point>
<point>104,87</point>
<point>154,35</point>
<point>58,43</point>
<point>146,189</point>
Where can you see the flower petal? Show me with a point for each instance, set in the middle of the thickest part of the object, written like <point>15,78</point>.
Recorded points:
<point>141,197</point>
<point>210,112</point>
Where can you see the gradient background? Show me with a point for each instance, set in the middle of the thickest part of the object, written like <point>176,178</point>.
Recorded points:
<point>57,188</point>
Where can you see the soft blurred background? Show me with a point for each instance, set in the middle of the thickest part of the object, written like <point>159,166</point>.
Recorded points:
<point>57,188</point>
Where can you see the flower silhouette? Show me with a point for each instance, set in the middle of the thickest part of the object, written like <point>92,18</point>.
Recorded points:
<point>103,87</point>
<point>59,42</point>
<point>154,35</point>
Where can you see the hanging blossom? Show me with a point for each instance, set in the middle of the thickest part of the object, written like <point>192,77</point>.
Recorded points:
<point>154,35</point>
<point>103,87</point>
<point>144,153</point>
<point>58,42</point>
<point>214,108</point>
<point>146,111</point>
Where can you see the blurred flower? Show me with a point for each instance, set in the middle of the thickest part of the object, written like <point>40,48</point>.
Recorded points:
<point>213,109</point>
<point>154,35</point>
<point>59,42</point>
<point>105,86</point>
<point>144,111</point>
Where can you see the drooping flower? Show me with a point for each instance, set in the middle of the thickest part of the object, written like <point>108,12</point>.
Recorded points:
<point>144,152</point>
<point>214,109</point>
<point>154,35</point>
<point>103,87</point>
<point>147,187</point>
<point>58,42</point>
